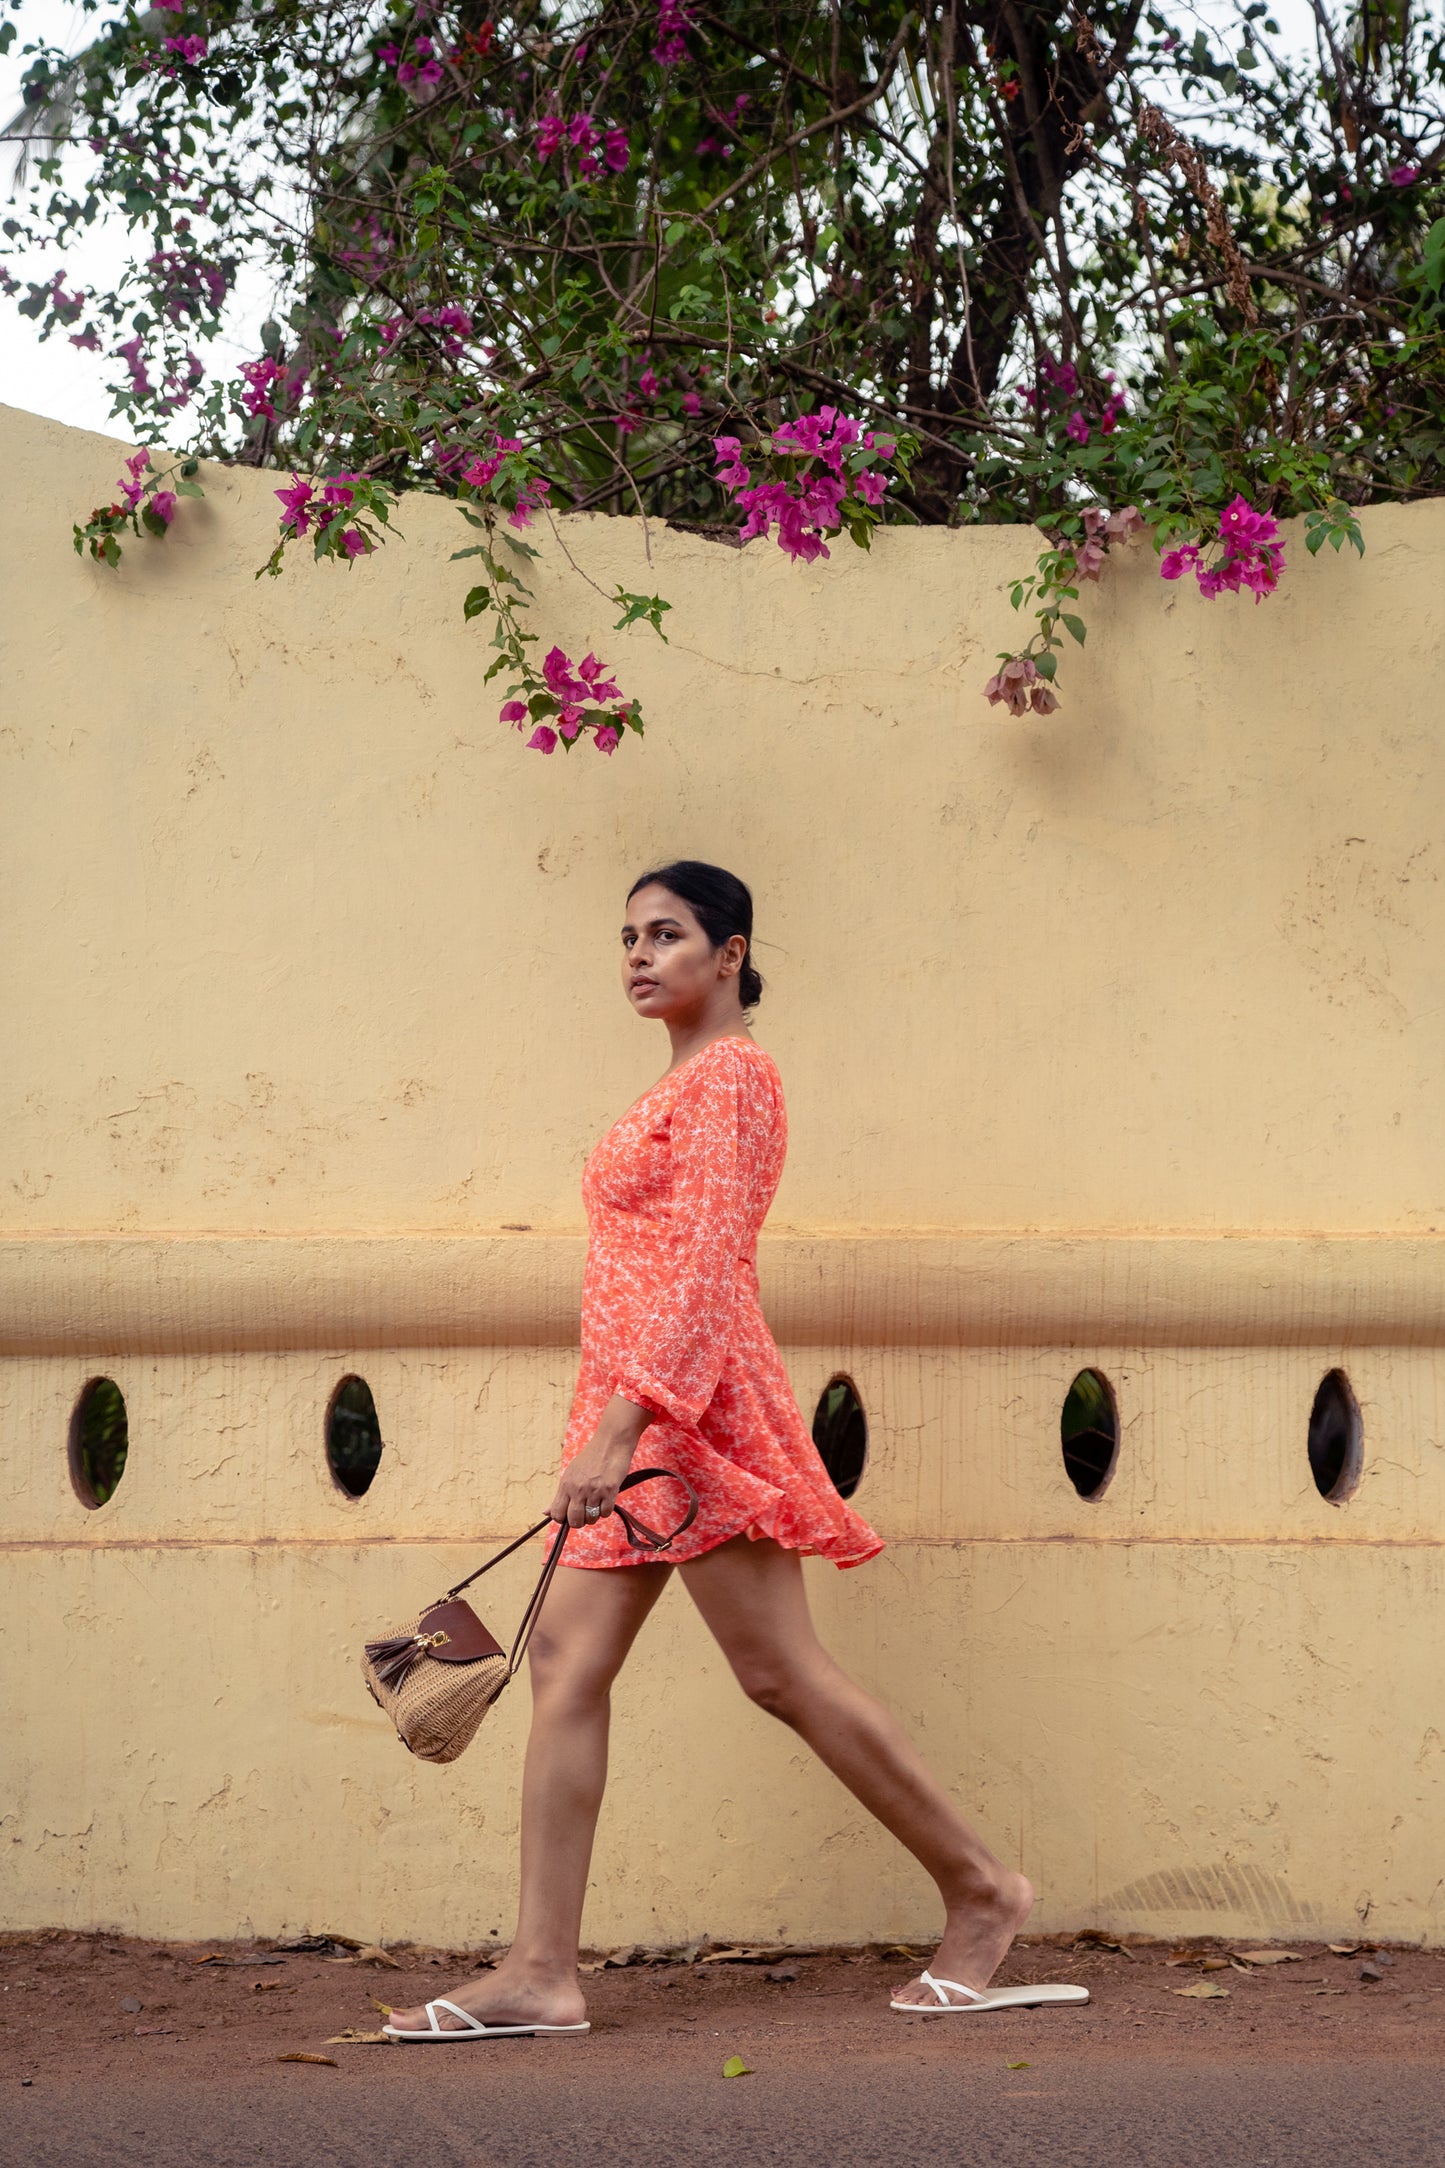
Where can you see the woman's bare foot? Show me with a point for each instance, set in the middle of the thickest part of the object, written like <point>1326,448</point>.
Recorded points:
<point>976,1940</point>
<point>514,1993</point>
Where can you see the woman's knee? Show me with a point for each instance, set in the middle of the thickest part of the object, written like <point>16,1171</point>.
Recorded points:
<point>568,1666</point>
<point>774,1682</point>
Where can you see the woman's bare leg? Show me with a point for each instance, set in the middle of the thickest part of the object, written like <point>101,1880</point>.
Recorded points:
<point>588,1624</point>
<point>752,1597</point>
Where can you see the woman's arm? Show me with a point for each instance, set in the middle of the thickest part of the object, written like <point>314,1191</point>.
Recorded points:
<point>591,1477</point>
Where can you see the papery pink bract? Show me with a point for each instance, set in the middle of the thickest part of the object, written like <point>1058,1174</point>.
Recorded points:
<point>615,151</point>
<point>354,542</point>
<point>163,504</point>
<point>296,504</point>
<point>606,738</point>
<point>542,740</point>
<point>514,711</point>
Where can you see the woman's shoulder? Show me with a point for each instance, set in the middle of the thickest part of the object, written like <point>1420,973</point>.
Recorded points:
<point>735,1050</point>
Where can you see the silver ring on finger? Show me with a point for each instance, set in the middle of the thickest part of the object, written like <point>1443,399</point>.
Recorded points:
<point>594,1513</point>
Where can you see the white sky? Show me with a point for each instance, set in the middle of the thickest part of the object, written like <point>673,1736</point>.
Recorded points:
<point>57,380</point>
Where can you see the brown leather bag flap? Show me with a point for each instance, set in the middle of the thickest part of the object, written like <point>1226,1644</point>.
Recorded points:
<point>466,1637</point>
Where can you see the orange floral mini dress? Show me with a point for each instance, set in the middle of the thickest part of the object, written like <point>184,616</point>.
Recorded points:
<point>675,1195</point>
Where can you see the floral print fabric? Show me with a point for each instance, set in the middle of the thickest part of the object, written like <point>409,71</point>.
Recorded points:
<point>675,1195</point>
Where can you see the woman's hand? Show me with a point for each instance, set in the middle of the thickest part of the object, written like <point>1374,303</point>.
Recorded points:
<point>588,1485</point>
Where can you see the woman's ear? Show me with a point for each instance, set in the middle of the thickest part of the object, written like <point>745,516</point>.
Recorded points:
<point>734,954</point>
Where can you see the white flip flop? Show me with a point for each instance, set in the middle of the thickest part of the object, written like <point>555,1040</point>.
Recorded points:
<point>471,2028</point>
<point>987,1998</point>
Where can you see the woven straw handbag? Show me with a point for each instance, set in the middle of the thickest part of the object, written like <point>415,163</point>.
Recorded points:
<point>437,1678</point>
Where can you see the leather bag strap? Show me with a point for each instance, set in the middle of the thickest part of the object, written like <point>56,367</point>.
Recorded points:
<point>639,1535</point>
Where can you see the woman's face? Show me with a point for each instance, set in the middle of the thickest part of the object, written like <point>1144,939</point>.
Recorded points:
<point>669,967</point>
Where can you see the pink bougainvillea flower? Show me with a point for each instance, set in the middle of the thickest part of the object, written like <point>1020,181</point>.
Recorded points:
<point>86,339</point>
<point>542,740</point>
<point>560,680</point>
<point>354,542</point>
<point>296,504</point>
<point>606,738</point>
<point>550,131</point>
<point>1043,699</point>
<point>514,711</point>
<point>1076,427</point>
<point>691,403</point>
<point>1126,523</point>
<point>480,472</point>
<point>673,23</point>
<point>569,721</point>
<point>615,152</point>
<point>339,489</point>
<point>1404,176</point>
<point>1011,685</point>
<point>599,688</point>
<point>647,384</point>
<point>1175,563</point>
<point>190,49</point>
<point>582,132</point>
<point>870,486</point>
<point>163,504</point>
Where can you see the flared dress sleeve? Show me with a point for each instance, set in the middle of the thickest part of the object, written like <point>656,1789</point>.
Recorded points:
<point>677,1354</point>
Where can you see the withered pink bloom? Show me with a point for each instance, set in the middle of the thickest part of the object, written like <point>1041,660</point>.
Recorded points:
<point>1127,523</point>
<point>1043,700</point>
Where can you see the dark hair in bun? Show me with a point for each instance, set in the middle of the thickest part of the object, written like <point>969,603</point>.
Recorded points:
<point>722,906</point>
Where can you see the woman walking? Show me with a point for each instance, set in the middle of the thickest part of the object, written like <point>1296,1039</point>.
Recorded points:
<point>675,1349</point>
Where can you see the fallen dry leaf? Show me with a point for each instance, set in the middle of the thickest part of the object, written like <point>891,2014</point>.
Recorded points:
<point>298,2056</point>
<point>1214,1964</point>
<point>1343,1949</point>
<point>352,2038</point>
<point>1094,1938</point>
<point>372,1953</point>
<point>383,2007</point>
<point>1018,2066</point>
<point>735,2067</point>
<point>718,1957</point>
<point>1201,1989</point>
<point>626,1954</point>
<point>1270,1957</point>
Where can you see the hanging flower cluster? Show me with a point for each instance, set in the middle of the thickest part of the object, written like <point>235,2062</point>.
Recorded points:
<point>822,476</point>
<point>581,697</point>
<point>1025,681</point>
<point>673,24</point>
<point>344,511</point>
<point>142,500</point>
<point>1250,555</point>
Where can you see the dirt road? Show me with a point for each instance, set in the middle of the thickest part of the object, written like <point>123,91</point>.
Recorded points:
<point>168,2056</point>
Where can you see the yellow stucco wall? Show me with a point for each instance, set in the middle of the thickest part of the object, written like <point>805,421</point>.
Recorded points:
<point>1112,1039</point>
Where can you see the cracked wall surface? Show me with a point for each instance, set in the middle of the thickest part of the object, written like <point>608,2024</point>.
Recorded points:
<point>1109,1039</point>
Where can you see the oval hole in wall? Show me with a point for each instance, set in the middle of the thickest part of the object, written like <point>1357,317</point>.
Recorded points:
<point>1089,1428</point>
<point>1337,1438</point>
<point>840,1432</point>
<point>353,1436</point>
<point>99,1441</point>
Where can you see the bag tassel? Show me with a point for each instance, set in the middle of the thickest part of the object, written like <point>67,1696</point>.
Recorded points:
<point>392,1659</point>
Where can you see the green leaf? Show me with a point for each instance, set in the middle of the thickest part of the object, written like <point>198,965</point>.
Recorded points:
<point>1018,2066</point>
<point>1075,626</point>
<point>1046,662</point>
<point>735,2067</point>
<point>479,599</point>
